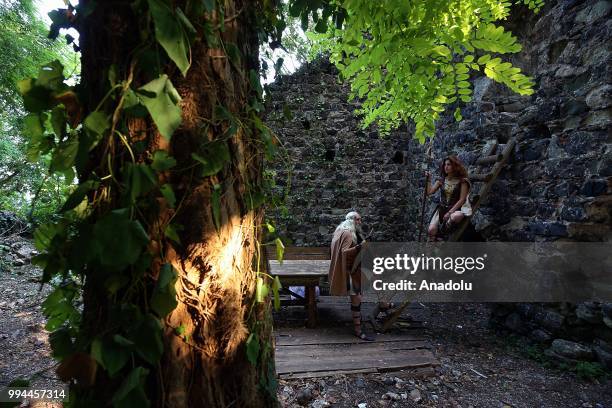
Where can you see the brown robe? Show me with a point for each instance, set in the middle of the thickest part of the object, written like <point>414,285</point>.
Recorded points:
<point>343,253</point>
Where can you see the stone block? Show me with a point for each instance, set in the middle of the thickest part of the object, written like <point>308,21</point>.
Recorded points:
<point>550,320</point>
<point>593,13</point>
<point>539,335</point>
<point>572,350</point>
<point>600,119</point>
<point>603,351</point>
<point>594,187</point>
<point>589,312</point>
<point>600,97</point>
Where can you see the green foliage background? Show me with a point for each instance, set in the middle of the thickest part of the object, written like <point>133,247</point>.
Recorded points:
<point>24,47</point>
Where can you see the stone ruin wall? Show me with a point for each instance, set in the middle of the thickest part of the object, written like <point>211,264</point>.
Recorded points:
<point>557,185</point>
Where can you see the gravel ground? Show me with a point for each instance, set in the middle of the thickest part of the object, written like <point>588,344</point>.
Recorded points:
<point>24,344</point>
<point>479,368</point>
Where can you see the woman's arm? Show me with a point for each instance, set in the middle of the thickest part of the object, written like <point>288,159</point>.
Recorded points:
<point>462,198</point>
<point>432,189</point>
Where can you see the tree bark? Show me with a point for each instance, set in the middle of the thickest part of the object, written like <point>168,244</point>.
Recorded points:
<point>207,364</point>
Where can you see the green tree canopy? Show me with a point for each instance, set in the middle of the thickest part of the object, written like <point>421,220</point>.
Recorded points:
<point>411,60</point>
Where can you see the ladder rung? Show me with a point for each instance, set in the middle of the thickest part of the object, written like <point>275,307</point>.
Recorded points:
<point>489,159</point>
<point>481,177</point>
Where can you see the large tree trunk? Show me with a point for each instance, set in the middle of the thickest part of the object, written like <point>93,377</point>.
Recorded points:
<point>206,365</point>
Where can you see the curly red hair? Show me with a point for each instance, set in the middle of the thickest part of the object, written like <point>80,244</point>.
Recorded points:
<point>460,170</point>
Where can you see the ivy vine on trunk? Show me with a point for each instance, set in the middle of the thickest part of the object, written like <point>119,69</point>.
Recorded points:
<point>161,235</point>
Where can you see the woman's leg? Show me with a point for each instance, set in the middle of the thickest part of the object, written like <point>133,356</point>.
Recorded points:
<point>433,227</point>
<point>456,217</point>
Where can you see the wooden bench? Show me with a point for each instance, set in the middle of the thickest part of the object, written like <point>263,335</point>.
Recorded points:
<point>301,266</point>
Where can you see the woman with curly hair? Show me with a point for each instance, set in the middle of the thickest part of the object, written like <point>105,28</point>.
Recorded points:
<point>454,205</point>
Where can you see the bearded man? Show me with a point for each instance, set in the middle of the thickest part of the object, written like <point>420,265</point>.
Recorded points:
<point>345,267</point>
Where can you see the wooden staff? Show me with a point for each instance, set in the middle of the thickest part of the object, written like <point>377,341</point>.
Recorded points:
<point>427,180</point>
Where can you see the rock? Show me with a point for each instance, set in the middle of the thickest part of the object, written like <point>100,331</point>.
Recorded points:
<point>19,262</point>
<point>549,319</point>
<point>359,382</point>
<point>388,381</point>
<point>600,97</point>
<point>362,405</point>
<point>606,309</point>
<point>572,350</point>
<point>589,312</point>
<point>603,351</point>
<point>483,88</point>
<point>567,71</point>
<point>540,336</point>
<point>320,403</point>
<point>415,395</point>
<point>599,119</point>
<point>593,13</point>
<point>304,396</point>
<point>514,323</point>
<point>391,396</point>
<point>594,187</point>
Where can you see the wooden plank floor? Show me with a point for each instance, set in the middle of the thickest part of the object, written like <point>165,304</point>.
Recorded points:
<point>331,348</point>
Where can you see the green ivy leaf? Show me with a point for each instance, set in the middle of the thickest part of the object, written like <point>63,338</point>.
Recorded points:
<point>169,34</point>
<point>261,290</point>
<point>252,348</point>
<point>255,199</point>
<point>163,299</point>
<point>110,355</point>
<point>216,205</point>
<point>159,97</point>
<point>61,343</point>
<point>79,194</point>
<point>140,180</point>
<point>64,154</point>
<point>122,341</point>
<point>119,252</point>
<point>280,250</point>
<point>44,234</point>
<point>51,76</point>
<point>457,114</point>
<point>233,53</point>
<point>147,337</point>
<point>58,121</point>
<point>38,143</point>
<point>96,124</point>
<point>131,393</point>
<point>213,157</point>
<point>168,194</point>
<point>171,233</point>
<point>162,161</point>
<point>276,287</point>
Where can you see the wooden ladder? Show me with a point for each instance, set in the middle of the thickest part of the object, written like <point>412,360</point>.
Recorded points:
<point>487,177</point>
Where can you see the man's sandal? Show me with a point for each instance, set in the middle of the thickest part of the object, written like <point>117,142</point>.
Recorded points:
<point>364,336</point>
<point>356,313</point>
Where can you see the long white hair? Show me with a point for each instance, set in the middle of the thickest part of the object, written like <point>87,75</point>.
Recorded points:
<point>349,224</point>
